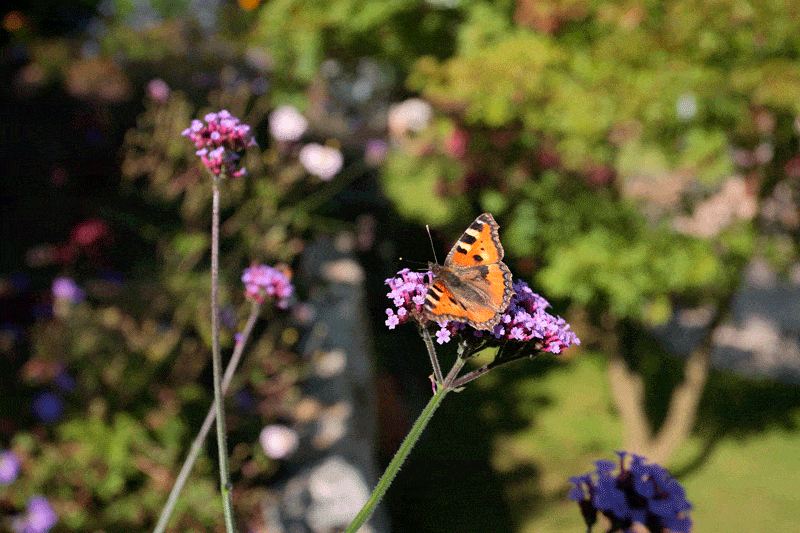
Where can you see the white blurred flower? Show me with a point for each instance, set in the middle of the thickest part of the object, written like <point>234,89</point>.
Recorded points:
<point>286,123</point>
<point>321,161</point>
<point>413,114</point>
<point>687,106</point>
<point>278,441</point>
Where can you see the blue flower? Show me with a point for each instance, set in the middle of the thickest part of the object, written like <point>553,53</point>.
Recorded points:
<point>632,491</point>
<point>48,407</point>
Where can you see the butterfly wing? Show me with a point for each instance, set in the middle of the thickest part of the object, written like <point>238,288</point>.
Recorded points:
<point>473,285</point>
<point>479,245</point>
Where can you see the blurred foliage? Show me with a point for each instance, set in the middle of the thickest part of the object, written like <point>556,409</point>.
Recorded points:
<point>136,348</point>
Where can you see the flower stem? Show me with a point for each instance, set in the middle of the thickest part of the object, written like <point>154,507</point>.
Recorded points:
<point>197,444</point>
<point>216,359</point>
<point>398,460</point>
<point>437,370</point>
<point>475,374</point>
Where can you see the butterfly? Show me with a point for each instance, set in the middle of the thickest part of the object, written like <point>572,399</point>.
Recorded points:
<point>473,285</point>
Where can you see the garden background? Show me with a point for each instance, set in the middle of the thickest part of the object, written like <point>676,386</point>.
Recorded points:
<point>641,158</point>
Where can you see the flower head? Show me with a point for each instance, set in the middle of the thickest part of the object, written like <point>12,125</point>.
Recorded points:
<point>525,319</point>
<point>66,289</point>
<point>286,123</point>
<point>48,407</point>
<point>158,90</point>
<point>633,491</point>
<point>408,294</point>
<point>262,281</point>
<point>321,161</point>
<point>39,517</point>
<point>219,142</point>
<point>9,467</point>
<point>278,441</point>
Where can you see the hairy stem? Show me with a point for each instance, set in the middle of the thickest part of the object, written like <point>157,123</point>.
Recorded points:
<point>216,360</point>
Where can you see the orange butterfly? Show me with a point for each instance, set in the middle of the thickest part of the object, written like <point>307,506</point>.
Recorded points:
<point>473,285</point>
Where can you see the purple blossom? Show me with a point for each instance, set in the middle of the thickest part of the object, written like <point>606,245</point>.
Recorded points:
<point>524,320</point>
<point>408,294</point>
<point>66,289</point>
<point>9,467</point>
<point>632,491</point>
<point>262,281</point>
<point>220,141</point>
<point>39,517</point>
<point>158,90</point>
<point>443,336</point>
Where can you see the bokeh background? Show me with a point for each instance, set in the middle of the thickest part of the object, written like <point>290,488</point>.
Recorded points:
<point>641,158</point>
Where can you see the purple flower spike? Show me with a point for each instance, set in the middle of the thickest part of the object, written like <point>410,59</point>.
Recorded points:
<point>642,492</point>
<point>262,282</point>
<point>220,141</point>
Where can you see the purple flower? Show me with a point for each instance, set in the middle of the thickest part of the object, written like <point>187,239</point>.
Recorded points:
<point>633,491</point>
<point>158,90</point>
<point>39,517</point>
<point>263,281</point>
<point>67,290</point>
<point>375,152</point>
<point>524,320</point>
<point>48,407</point>
<point>408,294</point>
<point>9,467</point>
<point>220,141</point>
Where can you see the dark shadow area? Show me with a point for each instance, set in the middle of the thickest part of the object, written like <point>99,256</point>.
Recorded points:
<point>732,406</point>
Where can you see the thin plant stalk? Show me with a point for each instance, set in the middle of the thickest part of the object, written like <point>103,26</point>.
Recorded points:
<point>216,359</point>
<point>405,448</point>
<point>197,444</point>
<point>437,370</point>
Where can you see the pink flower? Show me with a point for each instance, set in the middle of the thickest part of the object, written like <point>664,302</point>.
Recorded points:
<point>158,90</point>
<point>262,281</point>
<point>220,141</point>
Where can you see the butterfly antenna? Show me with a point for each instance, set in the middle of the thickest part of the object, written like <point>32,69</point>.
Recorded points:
<point>435,259</point>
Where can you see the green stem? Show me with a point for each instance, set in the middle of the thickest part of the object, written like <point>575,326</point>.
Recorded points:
<point>437,370</point>
<point>216,359</point>
<point>397,460</point>
<point>197,444</point>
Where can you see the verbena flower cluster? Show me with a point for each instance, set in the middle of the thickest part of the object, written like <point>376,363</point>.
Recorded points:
<point>525,319</point>
<point>39,517</point>
<point>220,141</point>
<point>632,491</point>
<point>262,281</point>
